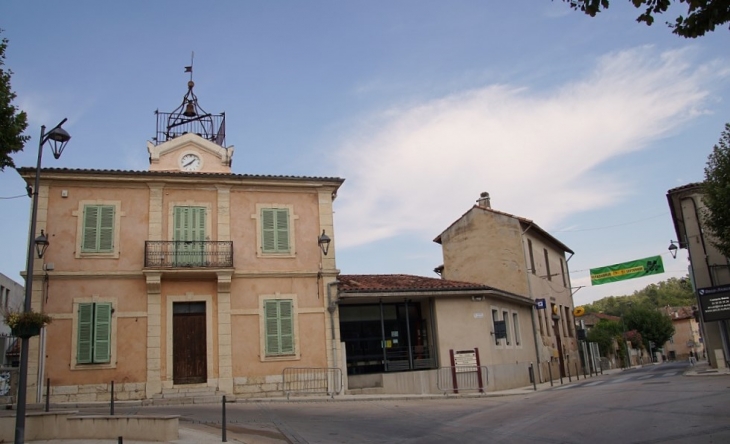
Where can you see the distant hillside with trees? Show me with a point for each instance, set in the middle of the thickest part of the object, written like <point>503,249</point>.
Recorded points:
<point>641,322</point>
<point>673,292</point>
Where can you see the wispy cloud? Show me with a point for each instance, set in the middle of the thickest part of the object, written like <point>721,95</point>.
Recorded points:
<point>415,168</point>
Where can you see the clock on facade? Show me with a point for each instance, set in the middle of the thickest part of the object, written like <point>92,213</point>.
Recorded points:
<point>190,162</point>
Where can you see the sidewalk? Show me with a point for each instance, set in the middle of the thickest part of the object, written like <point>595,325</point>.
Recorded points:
<point>190,433</point>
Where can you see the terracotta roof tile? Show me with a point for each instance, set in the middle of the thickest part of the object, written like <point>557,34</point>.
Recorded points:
<point>29,170</point>
<point>401,282</point>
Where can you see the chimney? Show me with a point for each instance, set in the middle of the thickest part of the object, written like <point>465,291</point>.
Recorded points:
<point>483,200</point>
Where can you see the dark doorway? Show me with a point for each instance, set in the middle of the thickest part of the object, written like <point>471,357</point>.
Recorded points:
<point>189,352</point>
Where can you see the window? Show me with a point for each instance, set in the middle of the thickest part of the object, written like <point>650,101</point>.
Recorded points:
<point>562,272</point>
<point>547,264</point>
<point>279,327</point>
<point>568,322</point>
<point>532,257</point>
<point>94,333</point>
<point>98,229</point>
<point>516,326</point>
<point>505,318</point>
<point>275,230</point>
<point>495,318</point>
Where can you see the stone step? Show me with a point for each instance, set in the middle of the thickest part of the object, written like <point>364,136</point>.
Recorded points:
<point>366,391</point>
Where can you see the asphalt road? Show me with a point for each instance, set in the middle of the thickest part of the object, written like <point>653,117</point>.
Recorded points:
<point>654,404</point>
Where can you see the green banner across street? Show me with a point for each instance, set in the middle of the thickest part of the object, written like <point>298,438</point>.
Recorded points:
<point>627,270</point>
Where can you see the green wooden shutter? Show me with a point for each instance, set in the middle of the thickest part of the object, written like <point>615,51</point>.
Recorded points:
<point>102,333</point>
<point>271,320</point>
<point>286,328</point>
<point>180,213</point>
<point>268,230</point>
<point>282,230</point>
<point>84,333</point>
<point>197,226</point>
<point>106,228</point>
<point>90,228</point>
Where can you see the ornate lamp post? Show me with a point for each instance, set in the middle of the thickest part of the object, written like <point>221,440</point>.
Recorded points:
<point>58,138</point>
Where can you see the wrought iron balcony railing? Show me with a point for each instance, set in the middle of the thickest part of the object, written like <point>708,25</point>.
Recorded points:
<point>188,254</point>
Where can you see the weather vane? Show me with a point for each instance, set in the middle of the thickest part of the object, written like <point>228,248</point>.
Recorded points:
<point>190,68</point>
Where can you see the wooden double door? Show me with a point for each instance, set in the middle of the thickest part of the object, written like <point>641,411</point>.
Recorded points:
<point>189,343</point>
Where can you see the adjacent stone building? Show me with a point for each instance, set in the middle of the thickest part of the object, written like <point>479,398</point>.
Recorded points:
<point>514,254</point>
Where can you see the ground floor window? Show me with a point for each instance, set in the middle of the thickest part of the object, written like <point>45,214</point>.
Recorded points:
<point>94,333</point>
<point>385,338</point>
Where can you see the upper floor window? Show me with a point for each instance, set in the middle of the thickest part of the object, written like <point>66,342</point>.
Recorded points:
<point>97,232</point>
<point>275,232</point>
<point>532,256</point>
<point>547,264</point>
<point>98,229</point>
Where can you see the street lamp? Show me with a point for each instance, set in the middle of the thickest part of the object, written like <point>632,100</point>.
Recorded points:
<point>58,138</point>
<point>324,243</point>
<point>673,248</point>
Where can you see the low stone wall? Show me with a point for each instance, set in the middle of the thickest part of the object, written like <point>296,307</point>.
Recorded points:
<point>98,392</point>
<point>67,425</point>
<point>258,386</point>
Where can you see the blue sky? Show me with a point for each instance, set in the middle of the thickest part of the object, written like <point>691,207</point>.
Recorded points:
<point>581,124</point>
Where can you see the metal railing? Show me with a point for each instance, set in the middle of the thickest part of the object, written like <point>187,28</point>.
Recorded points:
<point>455,379</point>
<point>211,127</point>
<point>312,380</point>
<point>188,254</point>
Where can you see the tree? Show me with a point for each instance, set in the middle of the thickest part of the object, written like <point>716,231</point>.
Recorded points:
<point>604,334</point>
<point>716,189</point>
<point>653,325</point>
<point>12,121</point>
<point>702,15</point>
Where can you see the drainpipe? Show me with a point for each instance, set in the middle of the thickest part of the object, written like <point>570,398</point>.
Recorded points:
<point>538,340</point>
<point>331,308</point>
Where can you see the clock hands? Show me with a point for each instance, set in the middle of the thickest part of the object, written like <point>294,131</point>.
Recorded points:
<point>189,163</point>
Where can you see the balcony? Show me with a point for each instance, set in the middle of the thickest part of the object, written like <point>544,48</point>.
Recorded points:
<point>188,254</point>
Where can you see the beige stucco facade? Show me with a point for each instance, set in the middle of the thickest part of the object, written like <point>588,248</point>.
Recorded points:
<point>514,254</point>
<point>143,292</point>
<point>708,267</point>
<point>687,336</point>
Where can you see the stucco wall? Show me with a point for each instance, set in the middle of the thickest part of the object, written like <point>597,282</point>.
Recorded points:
<point>143,298</point>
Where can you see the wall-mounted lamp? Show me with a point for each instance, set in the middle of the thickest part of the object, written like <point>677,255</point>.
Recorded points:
<point>324,243</point>
<point>41,244</point>
<point>673,248</point>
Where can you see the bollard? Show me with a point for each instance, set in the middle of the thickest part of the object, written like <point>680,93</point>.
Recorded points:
<point>48,395</point>
<point>577,373</point>
<point>584,373</point>
<point>120,440</point>
<point>111,411</point>
<point>532,377</point>
<point>561,375</point>
<point>550,372</point>
<point>601,366</point>
<point>223,423</point>
<point>569,377</point>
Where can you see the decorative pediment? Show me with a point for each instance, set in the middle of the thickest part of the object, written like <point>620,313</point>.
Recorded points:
<point>190,152</point>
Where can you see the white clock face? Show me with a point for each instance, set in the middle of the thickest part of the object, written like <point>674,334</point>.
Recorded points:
<point>190,162</point>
